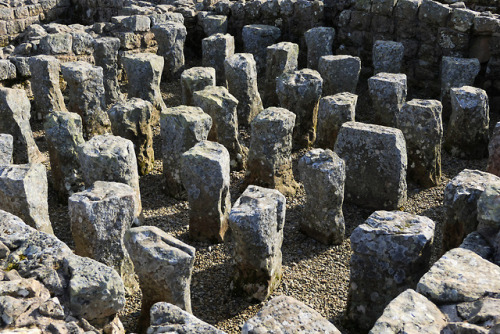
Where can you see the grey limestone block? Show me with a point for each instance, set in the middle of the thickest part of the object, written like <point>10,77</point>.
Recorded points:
<point>24,193</point>
<point>257,220</point>
<point>391,252</point>
<point>478,244</point>
<point>334,111</point>
<point>194,79</point>
<point>106,56</point>
<point>110,158</point>
<point>241,76</point>
<point>135,23</point>
<point>215,49</point>
<point>284,314</point>
<point>468,135</point>
<point>488,216</point>
<point>15,115</point>
<point>460,205</point>
<point>323,174</point>
<point>422,125</point>
<point>82,43</point>
<point>494,152</point>
<point>86,96</point>
<point>133,119</point>
<point>100,216</point>
<point>340,73</point>
<point>319,41</point>
<point>300,92</point>
<point>280,58</point>
<point>6,148</point>
<point>376,163</point>
<point>7,70</point>
<point>64,133</point>
<point>387,93</point>
<point>171,37</point>
<point>205,176</point>
<point>256,39</point>
<point>434,13</point>
<point>214,24</point>
<point>45,84</point>
<point>410,312</point>
<point>222,107</point>
<point>387,56</point>
<point>144,72</point>
<point>22,66</point>
<point>269,157</point>
<point>182,127</point>
<point>56,44</point>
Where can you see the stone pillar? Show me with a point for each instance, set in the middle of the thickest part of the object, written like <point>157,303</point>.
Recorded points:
<point>319,41</point>
<point>366,148</point>
<point>388,93</point>
<point>467,136</point>
<point>164,266</point>
<point>334,111</point>
<point>323,174</point>
<point>194,79</point>
<point>181,128</point>
<point>24,193</point>
<point>489,218</point>
<point>281,58</point>
<point>64,133</point>
<point>221,106</point>
<point>241,77</point>
<point>171,37</point>
<point>45,84</point>
<point>494,152</point>
<point>216,49</point>
<point>6,148</point>
<point>106,56</point>
<point>100,216</point>
<point>133,120</point>
<point>257,220</point>
<point>340,74</point>
<point>387,56</point>
<point>205,175</point>
<point>110,158</point>
<point>420,121</point>
<point>391,252</point>
<point>144,76</point>
<point>269,157</point>
<point>86,96</point>
<point>15,120</point>
<point>214,24</point>
<point>300,92</point>
<point>256,39</point>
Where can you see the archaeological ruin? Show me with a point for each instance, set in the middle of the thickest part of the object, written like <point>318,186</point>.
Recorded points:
<point>249,166</point>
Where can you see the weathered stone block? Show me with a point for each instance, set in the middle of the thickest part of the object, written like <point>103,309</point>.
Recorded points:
<point>216,49</point>
<point>281,58</point>
<point>340,74</point>
<point>334,111</point>
<point>214,24</point>
<point>387,56</point>
<point>194,79</point>
<point>7,70</point>
<point>488,216</point>
<point>388,93</point>
<point>319,41</point>
<point>494,152</point>
<point>106,56</point>
<point>59,43</point>
<point>171,37</point>
<point>256,39</point>
<point>6,148</point>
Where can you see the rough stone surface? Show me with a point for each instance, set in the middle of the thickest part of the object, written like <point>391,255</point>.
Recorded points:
<point>215,50</point>
<point>221,106</point>
<point>281,58</point>
<point>24,192</point>
<point>64,133</point>
<point>241,76</point>
<point>106,56</point>
<point>100,216</point>
<point>412,313</point>
<point>391,252</point>
<point>171,37</point>
<point>205,176</point>
<point>110,158</point>
<point>7,70</point>
<point>6,148</point>
<point>388,93</point>
<point>284,314</point>
<point>319,41</point>
<point>164,266</point>
<point>488,216</point>
<point>467,136</point>
<point>494,152</point>
<point>194,79</point>
<point>133,120</point>
<point>257,220</point>
<point>340,74</point>
<point>387,56</point>
<point>334,111</point>
<point>86,96</point>
<point>15,115</point>
<point>256,39</point>
<point>478,244</point>
<point>323,174</point>
<point>300,92</point>
<point>376,163</point>
<point>214,24</point>
<point>460,205</point>
<point>181,128</point>
<point>421,123</point>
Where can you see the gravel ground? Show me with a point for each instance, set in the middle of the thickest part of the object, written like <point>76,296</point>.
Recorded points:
<point>313,273</point>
